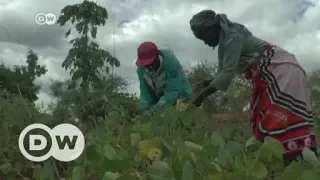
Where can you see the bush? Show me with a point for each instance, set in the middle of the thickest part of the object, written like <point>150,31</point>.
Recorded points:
<point>16,113</point>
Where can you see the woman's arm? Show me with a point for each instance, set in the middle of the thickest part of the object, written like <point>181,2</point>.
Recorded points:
<point>227,68</point>
<point>231,55</point>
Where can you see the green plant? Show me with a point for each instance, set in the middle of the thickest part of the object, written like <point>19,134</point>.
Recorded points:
<point>158,146</point>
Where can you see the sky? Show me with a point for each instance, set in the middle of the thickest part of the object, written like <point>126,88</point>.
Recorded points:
<point>291,24</point>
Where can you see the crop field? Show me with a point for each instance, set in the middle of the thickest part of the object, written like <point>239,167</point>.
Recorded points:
<point>160,147</point>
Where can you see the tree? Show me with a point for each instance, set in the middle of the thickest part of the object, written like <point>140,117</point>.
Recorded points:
<point>86,59</point>
<point>203,70</point>
<point>20,79</point>
<point>101,100</point>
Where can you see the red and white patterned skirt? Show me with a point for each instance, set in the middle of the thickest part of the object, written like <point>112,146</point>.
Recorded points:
<point>280,101</point>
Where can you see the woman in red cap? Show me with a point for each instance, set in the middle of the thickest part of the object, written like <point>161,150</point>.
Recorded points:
<point>161,76</point>
<point>280,101</point>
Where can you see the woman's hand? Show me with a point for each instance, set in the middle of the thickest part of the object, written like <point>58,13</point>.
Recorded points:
<point>198,92</point>
<point>201,85</point>
<point>198,97</point>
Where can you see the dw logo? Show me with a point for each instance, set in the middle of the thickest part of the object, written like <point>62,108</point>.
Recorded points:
<point>67,142</point>
<point>45,19</point>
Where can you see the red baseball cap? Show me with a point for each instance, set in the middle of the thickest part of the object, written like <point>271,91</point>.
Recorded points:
<point>147,52</point>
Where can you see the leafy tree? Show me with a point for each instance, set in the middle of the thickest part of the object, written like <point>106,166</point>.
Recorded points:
<point>20,79</point>
<point>72,105</point>
<point>86,59</point>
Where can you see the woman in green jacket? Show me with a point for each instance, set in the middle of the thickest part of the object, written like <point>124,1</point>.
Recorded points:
<point>280,101</point>
<point>161,77</point>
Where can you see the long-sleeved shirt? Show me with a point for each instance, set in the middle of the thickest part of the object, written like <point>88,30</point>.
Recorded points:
<point>165,86</point>
<point>235,54</point>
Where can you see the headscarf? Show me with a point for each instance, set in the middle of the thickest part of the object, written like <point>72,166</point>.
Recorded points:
<point>207,19</point>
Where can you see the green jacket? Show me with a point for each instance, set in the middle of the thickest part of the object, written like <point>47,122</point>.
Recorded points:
<point>164,87</point>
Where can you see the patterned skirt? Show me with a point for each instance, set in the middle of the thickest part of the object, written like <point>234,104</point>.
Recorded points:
<point>280,102</point>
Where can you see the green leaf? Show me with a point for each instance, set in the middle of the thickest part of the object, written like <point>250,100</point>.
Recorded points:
<point>180,106</point>
<point>6,168</point>
<point>259,170</point>
<point>188,171</point>
<point>37,172</point>
<point>309,175</point>
<point>110,176</point>
<point>293,171</point>
<point>183,150</point>
<point>122,154</point>
<point>18,166</point>
<point>238,164</point>
<point>216,139</point>
<point>177,168</point>
<point>129,175</point>
<point>274,145</point>
<point>310,157</point>
<point>80,160</point>
<point>265,154</point>
<point>47,171</point>
<point>271,148</point>
<point>109,152</point>
<point>79,173</point>
<point>134,139</point>
<point>114,165</point>
<point>224,157</point>
<point>251,141</point>
<point>216,166</point>
<point>233,148</point>
<point>192,146</point>
<point>159,170</point>
<point>92,153</point>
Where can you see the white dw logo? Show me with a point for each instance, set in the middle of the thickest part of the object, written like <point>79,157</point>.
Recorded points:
<point>45,18</point>
<point>67,142</point>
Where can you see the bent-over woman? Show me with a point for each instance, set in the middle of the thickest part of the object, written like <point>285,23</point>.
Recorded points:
<point>280,103</point>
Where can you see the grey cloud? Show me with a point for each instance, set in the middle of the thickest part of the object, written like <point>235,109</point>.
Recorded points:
<point>18,26</point>
<point>189,49</point>
<point>271,20</point>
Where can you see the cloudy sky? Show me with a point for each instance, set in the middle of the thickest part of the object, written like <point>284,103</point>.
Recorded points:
<point>291,24</point>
